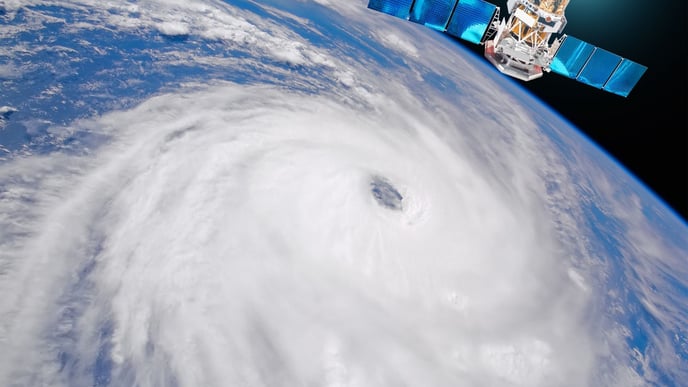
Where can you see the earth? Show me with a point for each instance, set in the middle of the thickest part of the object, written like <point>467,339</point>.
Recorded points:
<point>310,193</point>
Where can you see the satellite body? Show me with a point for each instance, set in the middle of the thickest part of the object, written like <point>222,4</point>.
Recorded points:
<point>521,46</point>
<point>526,44</point>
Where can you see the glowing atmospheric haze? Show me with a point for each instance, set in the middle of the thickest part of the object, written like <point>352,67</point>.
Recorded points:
<point>230,235</point>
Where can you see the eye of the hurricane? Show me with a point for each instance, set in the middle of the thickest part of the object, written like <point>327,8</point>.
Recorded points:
<point>385,193</point>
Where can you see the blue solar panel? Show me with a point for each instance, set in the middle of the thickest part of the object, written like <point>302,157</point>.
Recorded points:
<point>625,78</point>
<point>398,8</point>
<point>471,19</point>
<point>599,68</point>
<point>571,57</point>
<point>432,13</point>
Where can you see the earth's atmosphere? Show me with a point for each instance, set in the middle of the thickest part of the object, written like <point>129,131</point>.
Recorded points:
<point>310,193</point>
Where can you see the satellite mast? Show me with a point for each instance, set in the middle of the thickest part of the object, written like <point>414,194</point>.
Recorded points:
<point>526,44</point>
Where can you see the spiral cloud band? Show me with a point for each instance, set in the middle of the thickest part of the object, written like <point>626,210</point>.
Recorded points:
<point>232,236</point>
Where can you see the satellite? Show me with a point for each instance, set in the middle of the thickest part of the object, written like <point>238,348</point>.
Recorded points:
<point>522,46</point>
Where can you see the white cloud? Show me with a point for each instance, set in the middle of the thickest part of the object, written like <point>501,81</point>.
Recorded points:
<point>7,109</point>
<point>213,20</point>
<point>235,225</point>
<point>173,28</point>
<point>395,42</point>
<point>9,71</point>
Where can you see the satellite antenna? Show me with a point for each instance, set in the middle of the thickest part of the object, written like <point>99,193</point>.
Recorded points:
<point>522,46</point>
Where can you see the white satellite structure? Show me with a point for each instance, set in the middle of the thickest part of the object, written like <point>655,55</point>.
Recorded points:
<point>526,44</point>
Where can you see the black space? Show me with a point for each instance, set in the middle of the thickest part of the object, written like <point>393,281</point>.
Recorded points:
<point>646,132</point>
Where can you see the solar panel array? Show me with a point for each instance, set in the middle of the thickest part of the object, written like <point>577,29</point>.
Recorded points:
<point>398,8</point>
<point>434,14</point>
<point>596,67</point>
<point>465,19</point>
<point>471,20</point>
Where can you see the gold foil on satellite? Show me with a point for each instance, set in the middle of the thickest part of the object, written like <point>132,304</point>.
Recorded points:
<point>556,7</point>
